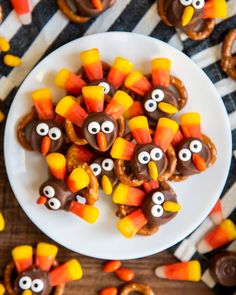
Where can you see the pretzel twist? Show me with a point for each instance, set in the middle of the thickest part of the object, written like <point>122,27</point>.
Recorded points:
<point>228,61</point>
<point>132,287</point>
<point>183,94</point>
<point>72,15</point>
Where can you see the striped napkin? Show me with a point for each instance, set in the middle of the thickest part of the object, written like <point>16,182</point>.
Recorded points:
<point>51,29</point>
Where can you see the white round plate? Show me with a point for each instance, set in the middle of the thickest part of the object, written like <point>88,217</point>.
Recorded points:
<point>27,170</point>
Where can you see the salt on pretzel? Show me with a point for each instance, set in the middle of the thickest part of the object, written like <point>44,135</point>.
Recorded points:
<point>228,61</point>
<point>136,287</point>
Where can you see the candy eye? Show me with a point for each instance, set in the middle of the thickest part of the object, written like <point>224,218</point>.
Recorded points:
<point>42,129</point>
<point>93,127</point>
<point>49,191</point>
<point>156,154</point>
<point>144,157</point>
<point>108,164</point>
<point>186,2</point>
<point>198,4</point>
<point>106,87</point>
<point>37,285</point>
<point>157,211</point>
<point>54,133</point>
<point>158,198</point>
<point>185,155</point>
<point>25,283</point>
<point>54,204</point>
<point>150,105</point>
<point>107,127</point>
<point>195,146</point>
<point>96,168</point>
<point>158,95</point>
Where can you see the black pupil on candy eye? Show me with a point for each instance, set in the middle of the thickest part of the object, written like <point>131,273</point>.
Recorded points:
<point>145,158</point>
<point>95,169</point>
<point>36,285</point>
<point>184,155</point>
<point>42,130</point>
<point>151,104</point>
<point>195,146</point>
<point>156,96</point>
<point>158,210</point>
<point>46,192</point>
<point>198,3</point>
<point>24,282</point>
<point>52,203</point>
<point>54,135</point>
<point>106,164</point>
<point>94,129</point>
<point>159,198</point>
<point>107,128</point>
<point>157,155</point>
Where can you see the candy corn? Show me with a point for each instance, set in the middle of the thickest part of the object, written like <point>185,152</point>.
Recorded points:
<point>77,180</point>
<point>93,98</point>
<point>220,235</point>
<point>4,44</point>
<point>23,257</point>
<point>119,104</point>
<point>42,99</point>
<point>191,125</point>
<point>161,72</point>
<point>111,266</point>
<point>109,291</point>
<point>80,153</point>
<point>118,72</point>
<point>2,222</point>
<point>150,185</point>
<point>129,225</point>
<point>122,149</point>
<point>22,9</point>
<point>140,129</point>
<point>135,110</point>
<point>127,195</point>
<point>92,64</point>
<point>57,165</point>
<point>86,212</point>
<point>216,214</point>
<point>182,271</point>
<point>66,272</point>
<point>215,9</point>
<point>68,108</point>
<point>125,274</point>
<point>106,185</point>
<point>2,289</point>
<point>97,4</point>
<point>69,81</point>
<point>177,138</point>
<point>45,256</point>
<point>165,132</point>
<point>138,83</point>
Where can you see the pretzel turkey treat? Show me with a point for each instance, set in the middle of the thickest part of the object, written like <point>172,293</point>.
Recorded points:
<point>60,191</point>
<point>99,127</point>
<point>41,130</point>
<point>195,151</point>
<point>37,272</point>
<point>151,157</point>
<point>152,206</point>
<point>228,61</point>
<point>136,287</point>
<point>196,18</point>
<point>160,96</point>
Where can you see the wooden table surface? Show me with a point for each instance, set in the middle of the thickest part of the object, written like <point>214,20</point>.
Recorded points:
<point>20,230</point>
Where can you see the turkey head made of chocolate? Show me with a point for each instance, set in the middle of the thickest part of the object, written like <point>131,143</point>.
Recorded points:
<point>147,157</point>
<point>60,191</point>
<point>41,130</point>
<point>38,276</point>
<point>164,96</point>
<point>99,127</point>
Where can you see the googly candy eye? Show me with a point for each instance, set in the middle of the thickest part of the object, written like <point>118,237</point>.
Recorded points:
<point>25,283</point>
<point>150,105</point>
<point>106,86</point>
<point>96,168</point>
<point>158,198</point>
<point>198,4</point>
<point>42,129</point>
<point>94,127</point>
<point>156,154</point>
<point>107,127</point>
<point>54,203</point>
<point>195,146</point>
<point>49,191</point>
<point>157,211</point>
<point>108,164</point>
<point>158,95</point>
<point>37,285</point>
<point>144,157</point>
<point>54,133</point>
<point>184,155</point>
<point>186,2</point>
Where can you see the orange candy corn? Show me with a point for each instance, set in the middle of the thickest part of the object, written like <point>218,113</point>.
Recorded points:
<point>42,99</point>
<point>182,271</point>
<point>122,149</point>
<point>45,256</point>
<point>220,235</point>
<point>81,153</point>
<point>216,214</point>
<point>127,195</point>
<point>69,271</point>
<point>138,83</point>
<point>177,138</point>
<point>69,81</point>
<point>165,132</point>
<point>118,72</point>
<point>22,9</point>
<point>23,257</point>
<point>129,225</point>
<point>125,274</point>
<point>68,108</point>
<point>97,4</point>
<point>140,129</point>
<point>215,9</point>
<point>86,212</point>
<point>109,291</point>
<point>92,64</point>
<point>93,98</point>
<point>191,125</point>
<point>135,110</point>
<point>119,104</point>
<point>111,266</point>
<point>150,185</point>
<point>57,165</point>
<point>77,180</point>
<point>161,72</point>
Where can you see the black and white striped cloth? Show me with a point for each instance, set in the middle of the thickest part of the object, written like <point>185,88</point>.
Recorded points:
<point>50,29</point>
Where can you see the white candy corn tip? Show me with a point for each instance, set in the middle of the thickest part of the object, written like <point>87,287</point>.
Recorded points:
<point>203,247</point>
<point>160,272</point>
<point>217,218</point>
<point>26,18</point>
